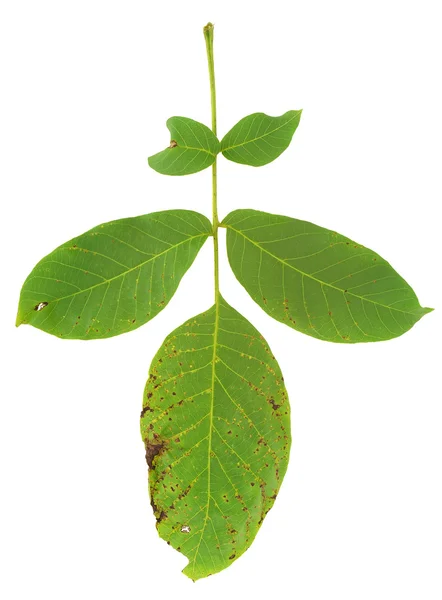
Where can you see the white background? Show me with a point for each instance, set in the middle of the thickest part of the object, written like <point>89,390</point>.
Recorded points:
<point>86,89</point>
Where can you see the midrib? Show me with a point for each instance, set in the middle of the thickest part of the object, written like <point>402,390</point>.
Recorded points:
<point>212,402</point>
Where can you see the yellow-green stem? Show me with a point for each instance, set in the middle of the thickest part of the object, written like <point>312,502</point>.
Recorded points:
<point>208,35</point>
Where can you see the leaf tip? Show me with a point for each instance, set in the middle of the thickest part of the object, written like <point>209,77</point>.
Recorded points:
<point>186,572</point>
<point>19,320</point>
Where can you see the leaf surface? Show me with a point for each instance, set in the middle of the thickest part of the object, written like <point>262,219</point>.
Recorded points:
<point>193,147</point>
<point>113,278</point>
<point>258,139</point>
<point>216,427</point>
<point>318,281</point>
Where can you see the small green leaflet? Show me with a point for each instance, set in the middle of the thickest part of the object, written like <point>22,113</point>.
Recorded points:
<point>113,278</point>
<point>318,281</point>
<point>258,139</point>
<point>216,426</point>
<point>193,147</point>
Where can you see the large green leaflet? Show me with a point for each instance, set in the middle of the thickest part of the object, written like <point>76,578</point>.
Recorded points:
<point>113,278</point>
<point>216,425</point>
<point>193,147</point>
<point>318,281</point>
<point>258,139</point>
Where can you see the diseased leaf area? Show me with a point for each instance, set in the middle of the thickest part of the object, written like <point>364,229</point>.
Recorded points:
<point>113,278</point>
<point>258,139</point>
<point>193,147</point>
<point>216,425</point>
<point>318,281</point>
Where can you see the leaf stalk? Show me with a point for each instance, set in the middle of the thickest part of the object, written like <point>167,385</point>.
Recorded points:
<point>208,36</point>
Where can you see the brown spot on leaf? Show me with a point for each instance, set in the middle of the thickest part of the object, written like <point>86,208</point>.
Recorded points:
<point>273,403</point>
<point>153,450</point>
<point>160,514</point>
<point>145,410</point>
<point>184,492</point>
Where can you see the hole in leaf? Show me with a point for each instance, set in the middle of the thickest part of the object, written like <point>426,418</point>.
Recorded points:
<point>40,306</point>
<point>185,529</point>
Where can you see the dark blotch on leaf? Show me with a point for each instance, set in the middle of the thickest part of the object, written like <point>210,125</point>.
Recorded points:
<point>153,450</point>
<point>145,410</point>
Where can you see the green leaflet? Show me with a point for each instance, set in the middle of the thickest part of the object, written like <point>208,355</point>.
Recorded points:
<point>113,278</point>
<point>318,281</point>
<point>216,426</point>
<point>193,147</point>
<point>258,139</point>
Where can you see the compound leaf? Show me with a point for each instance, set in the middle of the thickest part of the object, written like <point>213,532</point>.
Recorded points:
<point>216,426</point>
<point>113,278</point>
<point>258,139</point>
<point>193,147</point>
<point>318,281</point>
